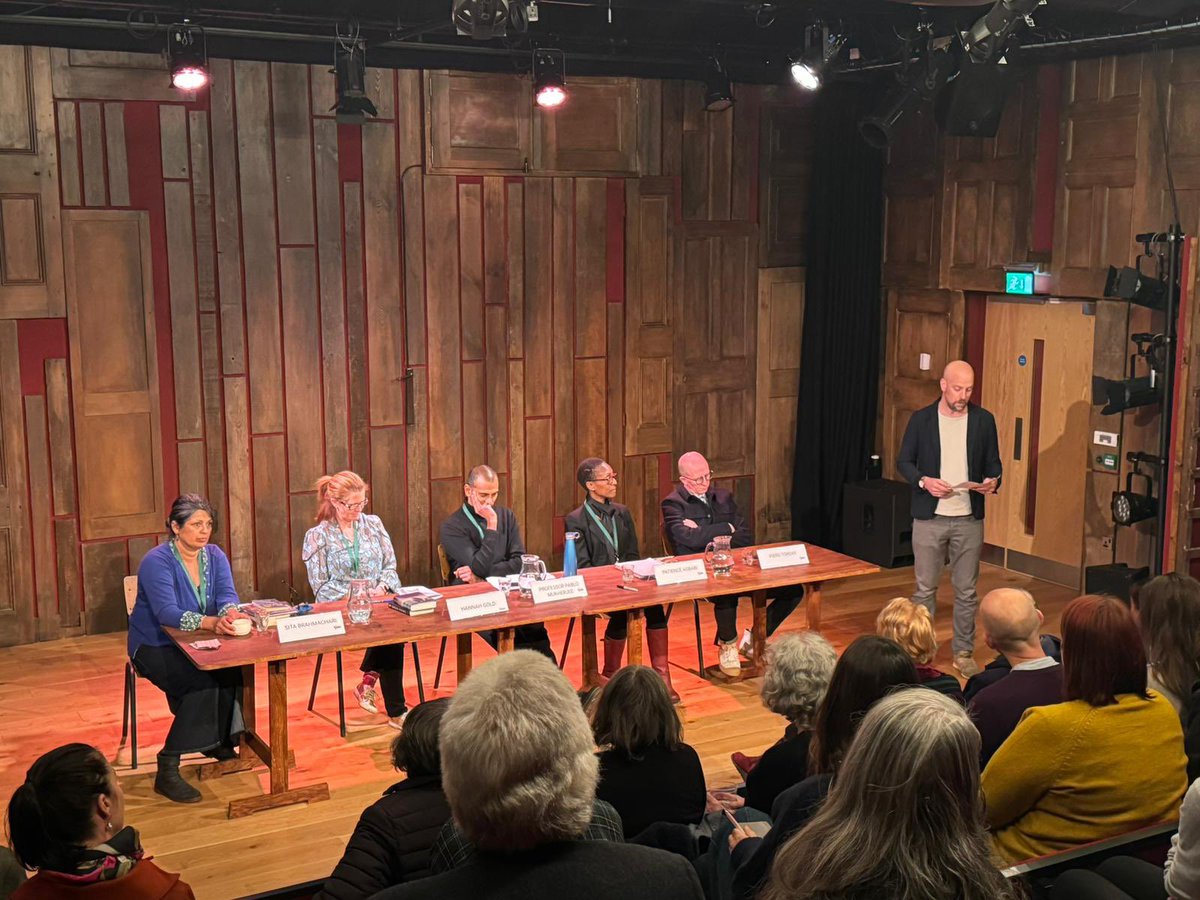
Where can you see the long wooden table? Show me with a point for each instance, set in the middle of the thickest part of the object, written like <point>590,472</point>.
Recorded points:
<point>390,627</point>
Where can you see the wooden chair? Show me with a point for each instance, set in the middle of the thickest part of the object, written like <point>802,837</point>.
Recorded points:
<point>129,701</point>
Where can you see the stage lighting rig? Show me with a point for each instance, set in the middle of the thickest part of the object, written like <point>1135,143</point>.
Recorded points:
<point>187,56</point>
<point>484,20</point>
<point>984,41</point>
<point>350,78</point>
<point>549,78</point>
<point>718,91</point>
<point>917,82</point>
<point>1133,392</point>
<point>1129,506</point>
<point>812,67</point>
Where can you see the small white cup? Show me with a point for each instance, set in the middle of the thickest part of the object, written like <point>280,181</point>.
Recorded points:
<point>241,627</point>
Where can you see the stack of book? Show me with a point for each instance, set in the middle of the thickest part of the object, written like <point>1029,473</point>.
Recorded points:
<point>415,601</point>
<point>266,613</point>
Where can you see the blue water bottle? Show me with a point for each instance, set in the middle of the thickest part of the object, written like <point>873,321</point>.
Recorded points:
<point>570,560</point>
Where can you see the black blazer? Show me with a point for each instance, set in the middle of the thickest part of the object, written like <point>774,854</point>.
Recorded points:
<point>920,455</point>
<point>392,840</point>
<point>713,518</point>
<point>592,548</point>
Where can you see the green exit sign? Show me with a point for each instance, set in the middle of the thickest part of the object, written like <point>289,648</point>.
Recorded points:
<point>1018,283</point>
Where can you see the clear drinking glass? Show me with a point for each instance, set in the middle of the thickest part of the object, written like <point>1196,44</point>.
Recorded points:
<point>359,605</point>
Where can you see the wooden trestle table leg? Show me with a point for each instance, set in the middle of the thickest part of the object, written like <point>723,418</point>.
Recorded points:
<point>812,600</point>
<point>505,640</point>
<point>633,636</point>
<point>758,635</point>
<point>591,664</point>
<point>464,656</point>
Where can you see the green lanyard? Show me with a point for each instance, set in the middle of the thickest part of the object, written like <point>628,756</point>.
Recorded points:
<point>611,538</point>
<point>471,519</point>
<point>200,590</point>
<point>352,548</point>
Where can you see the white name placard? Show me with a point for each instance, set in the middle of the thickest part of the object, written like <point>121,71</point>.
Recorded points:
<point>316,625</point>
<point>781,557</point>
<point>564,588</point>
<point>475,605</point>
<point>681,572</point>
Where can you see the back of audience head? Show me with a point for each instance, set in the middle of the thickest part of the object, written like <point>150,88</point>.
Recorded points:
<point>519,767</point>
<point>909,625</point>
<point>1168,612</point>
<point>869,669</point>
<point>799,667</point>
<point>634,713</point>
<point>1102,653</point>
<point>1011,621</point>
<point>904,816</point>
<point>415,749</point>
<point>70,797</point>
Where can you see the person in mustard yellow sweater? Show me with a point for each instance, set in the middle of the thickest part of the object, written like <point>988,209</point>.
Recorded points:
<point>1107,760</point>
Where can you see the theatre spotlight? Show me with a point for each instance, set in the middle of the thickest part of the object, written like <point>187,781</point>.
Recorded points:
<point>549,81</point>
<point>482,20</point>
<point>187,56</point>
<point>718,92</point>
<point>815,63</point>
<point>917,83</point>
<point>984,41</point>
<point>350,78</point>
<point>1118,396</point>
<point>1129,506</point>
<point>1130,284</point>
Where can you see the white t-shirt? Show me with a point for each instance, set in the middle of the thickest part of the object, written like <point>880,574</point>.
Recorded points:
<point>953,433</point>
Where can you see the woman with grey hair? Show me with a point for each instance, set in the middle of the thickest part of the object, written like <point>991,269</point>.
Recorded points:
<point>799,667</point>
<point>904,819</point>
<point>520,772</point>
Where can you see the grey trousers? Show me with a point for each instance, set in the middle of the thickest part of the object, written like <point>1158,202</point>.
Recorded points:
<point>960,539</point>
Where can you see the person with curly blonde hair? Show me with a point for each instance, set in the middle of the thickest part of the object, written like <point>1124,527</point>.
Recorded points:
<point>911,626</point>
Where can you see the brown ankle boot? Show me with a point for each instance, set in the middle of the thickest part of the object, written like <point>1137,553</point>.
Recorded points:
<point>657,639</point>
<point>614,651</point>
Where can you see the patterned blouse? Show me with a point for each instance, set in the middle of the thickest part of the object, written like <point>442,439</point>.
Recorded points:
<point>328,556</point>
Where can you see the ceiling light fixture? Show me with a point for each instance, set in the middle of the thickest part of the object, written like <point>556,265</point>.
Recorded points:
<point>549,79</point>
<point>187,56</point>
<point>984,41</point>
<point>482,20</point>
<point>1130,506</point>
<point>812,67</point>
<point>718,91</point>
<point>350,82</point>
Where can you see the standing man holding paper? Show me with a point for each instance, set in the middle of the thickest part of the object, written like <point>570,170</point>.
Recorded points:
<point>951,457</point>
<point>607,535</point>
<point>482,539</point>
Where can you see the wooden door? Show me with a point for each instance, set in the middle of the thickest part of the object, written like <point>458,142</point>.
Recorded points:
<point>1037,369</point>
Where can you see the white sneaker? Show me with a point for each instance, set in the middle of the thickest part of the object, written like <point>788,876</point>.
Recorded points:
<point>730,665</point>
<point>966,665</point>
<point>398,722</point>
<point>746,645</point>
<point>365,695</point>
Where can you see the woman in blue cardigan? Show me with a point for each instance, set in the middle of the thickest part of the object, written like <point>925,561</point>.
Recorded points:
<point>186,583</point>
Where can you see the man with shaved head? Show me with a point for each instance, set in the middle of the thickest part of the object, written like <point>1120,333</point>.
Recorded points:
<point>694,514</point>
<point>1012,626</point>
<point>952,460</point>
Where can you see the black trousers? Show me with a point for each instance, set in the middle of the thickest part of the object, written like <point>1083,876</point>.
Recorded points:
<point>1118,878</point>
<point>388,663</point>
<point>725,610</point>
<point>207,706</point>
<point>526,637</point>
<point>618,622</point>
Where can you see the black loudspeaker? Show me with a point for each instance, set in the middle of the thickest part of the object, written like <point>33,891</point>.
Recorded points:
<point>1115,580</point>
<point>877,522</point>
<point>973,103</point>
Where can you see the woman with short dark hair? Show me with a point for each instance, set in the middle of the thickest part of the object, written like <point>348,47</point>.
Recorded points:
<point>67,821</point>
<point>393,838</point>
<point>1107,760</point>
<point>647,772</point>
<point>187,584</point>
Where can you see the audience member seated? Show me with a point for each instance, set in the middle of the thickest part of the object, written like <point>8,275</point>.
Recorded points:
<point>904,818</point>
<point>519,769</point>
<point>869,669</point>
<point>1000,666</point>
<point>910,625</point>
<point>392,840</point>
<point>1011,621</point>
<point>68,821</point>
<point>1107,760</point>
<point>1126,878</point>
<point>647,772</point>
<point>799,667</point>
<point>1168,613</point>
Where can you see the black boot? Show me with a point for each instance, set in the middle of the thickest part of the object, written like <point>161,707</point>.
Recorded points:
<point>222,752</point>
<point>170,783</point>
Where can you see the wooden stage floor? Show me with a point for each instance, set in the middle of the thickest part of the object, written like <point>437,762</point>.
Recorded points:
<point>70,690</point>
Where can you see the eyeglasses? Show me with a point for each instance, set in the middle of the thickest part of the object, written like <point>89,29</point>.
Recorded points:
<point>349,507</point>
<point>610,478</point>
<point>698,479</point>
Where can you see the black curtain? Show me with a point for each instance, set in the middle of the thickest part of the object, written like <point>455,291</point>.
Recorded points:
<point>839,366</point>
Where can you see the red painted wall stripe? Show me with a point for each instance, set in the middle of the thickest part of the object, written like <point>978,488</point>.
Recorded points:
<point>37,341</point>
<point>350,164</point>
<point>142,141</point>
<point>615,242</point>
<point>975,327</point>
<point>1045,186</point>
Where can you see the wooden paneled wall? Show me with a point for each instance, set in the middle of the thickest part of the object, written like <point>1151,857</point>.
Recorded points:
<point>231,294</point>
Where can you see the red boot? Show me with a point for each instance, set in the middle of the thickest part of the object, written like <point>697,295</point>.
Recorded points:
<point>614,651</point>
<point>657,639</point>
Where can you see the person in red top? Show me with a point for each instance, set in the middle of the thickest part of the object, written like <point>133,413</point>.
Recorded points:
<point>67,821</point>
